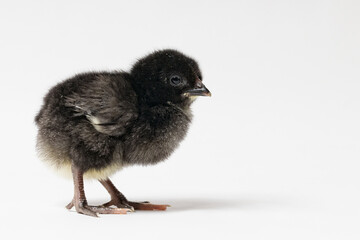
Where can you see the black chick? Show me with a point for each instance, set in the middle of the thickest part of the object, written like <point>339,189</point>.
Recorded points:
<point>93,124</point>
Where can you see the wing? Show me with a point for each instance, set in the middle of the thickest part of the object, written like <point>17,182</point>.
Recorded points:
<point>108,102</point>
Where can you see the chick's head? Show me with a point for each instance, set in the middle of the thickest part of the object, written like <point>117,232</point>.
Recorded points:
<point>168,76</point>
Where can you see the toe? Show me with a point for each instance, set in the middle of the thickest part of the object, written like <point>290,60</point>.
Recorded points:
<point>109,210</point>
<point>148,206</point>
<point>86,211</point>
<point>70,205</point>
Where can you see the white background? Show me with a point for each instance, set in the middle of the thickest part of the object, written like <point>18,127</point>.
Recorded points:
<point>274,154</point>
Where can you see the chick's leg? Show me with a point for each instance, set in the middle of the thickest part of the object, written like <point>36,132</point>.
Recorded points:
<point>80,202</point>
<point>119,200</point>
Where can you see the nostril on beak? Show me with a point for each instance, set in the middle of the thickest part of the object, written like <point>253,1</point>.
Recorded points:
<point>199,84</point>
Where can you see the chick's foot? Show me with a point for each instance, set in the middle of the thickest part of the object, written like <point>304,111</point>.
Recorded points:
<point>86,209</point>
<point>119,200</point>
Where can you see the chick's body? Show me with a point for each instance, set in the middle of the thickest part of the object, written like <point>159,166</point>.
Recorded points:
<point>70,127</point>
<point>94,123</point>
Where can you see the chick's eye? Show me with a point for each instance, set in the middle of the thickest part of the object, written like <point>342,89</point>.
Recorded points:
<point>175,80</point>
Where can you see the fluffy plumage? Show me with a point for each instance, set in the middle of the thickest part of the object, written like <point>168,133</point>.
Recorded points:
<point>98,122</point>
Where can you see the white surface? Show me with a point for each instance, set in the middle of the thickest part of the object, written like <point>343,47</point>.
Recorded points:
<point>274,154</point>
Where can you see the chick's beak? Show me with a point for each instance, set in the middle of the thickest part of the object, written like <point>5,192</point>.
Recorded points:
<point>199,90</point>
